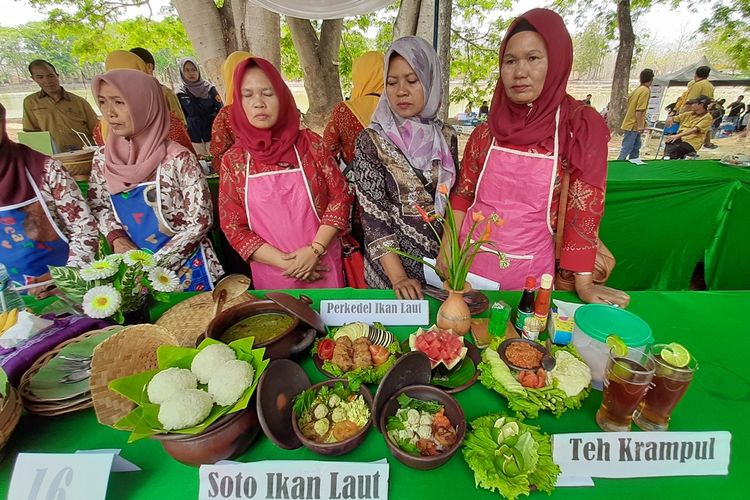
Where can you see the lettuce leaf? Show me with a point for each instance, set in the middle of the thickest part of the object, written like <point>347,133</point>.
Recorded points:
<point>479,452</point>
<point>370,375</point>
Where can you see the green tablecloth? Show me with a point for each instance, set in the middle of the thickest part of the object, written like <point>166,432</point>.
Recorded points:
<point>710,324</point>
<point>663,218</point>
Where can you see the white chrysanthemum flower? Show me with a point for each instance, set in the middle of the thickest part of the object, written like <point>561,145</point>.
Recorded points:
<point>114,258</point>
<point>99,270</point>
<point>133,257</point>
<point>101,302</point>
<point>163,280</point>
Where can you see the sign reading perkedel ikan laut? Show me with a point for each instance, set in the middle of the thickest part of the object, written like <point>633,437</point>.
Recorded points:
<point>642,454</point>
<point>387,312</point>
<point>288,479</point>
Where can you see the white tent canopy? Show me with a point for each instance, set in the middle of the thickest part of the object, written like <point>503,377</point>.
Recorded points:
<point>322,9</point>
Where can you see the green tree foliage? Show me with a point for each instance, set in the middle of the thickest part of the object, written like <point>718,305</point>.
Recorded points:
<point>589,49</point>
<point>729,28</point>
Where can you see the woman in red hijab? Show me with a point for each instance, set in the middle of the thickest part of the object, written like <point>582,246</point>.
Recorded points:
<point>513,165</point>
<point>282,199</point>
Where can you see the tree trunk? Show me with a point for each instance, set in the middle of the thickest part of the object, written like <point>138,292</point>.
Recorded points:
<point>618,100</point>
<point>238,9</point>
<point>444,52</point>
<point>426,21</point>
<point>407,18</point>
<point>203,25</point>
<point>319,60</point>
<point>262,31</point>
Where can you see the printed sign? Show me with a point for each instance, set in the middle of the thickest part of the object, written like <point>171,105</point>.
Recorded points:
<point>287,479</point>
<point>387,312</point>
<point>39,476</point>
<point>642,454</point>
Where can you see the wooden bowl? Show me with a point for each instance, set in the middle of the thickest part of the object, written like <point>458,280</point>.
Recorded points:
<point>228,437</point>
<point>342,447</point>
<point>452,410</point>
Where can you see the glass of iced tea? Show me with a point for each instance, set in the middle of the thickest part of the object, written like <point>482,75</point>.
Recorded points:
<point>667,388</point>
<point>626,380</point>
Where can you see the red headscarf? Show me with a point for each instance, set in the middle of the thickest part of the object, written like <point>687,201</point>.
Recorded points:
<point>15,161</point>
<point>276,144</point>
<point>584,135</point>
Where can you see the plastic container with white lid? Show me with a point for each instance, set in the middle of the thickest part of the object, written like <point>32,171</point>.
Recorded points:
<point>594,323</point>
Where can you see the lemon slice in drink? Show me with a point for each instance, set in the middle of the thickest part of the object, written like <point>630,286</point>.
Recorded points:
<point>675,354</point>
<point>617,345</point>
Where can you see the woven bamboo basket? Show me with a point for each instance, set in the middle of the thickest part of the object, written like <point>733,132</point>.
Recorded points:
<point>188,320</point>
<point>10,414</point>
<point>130,351</point>
<point>53,408</point>
<point>77,163</point>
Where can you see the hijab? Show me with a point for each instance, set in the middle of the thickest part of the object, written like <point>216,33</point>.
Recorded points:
<point>583,134</point>
<point>276,144</point>
<point>419,138</point>
<point>227,73</point>
<point>15,160</point>
<point>367,86</point>
<point>128,162</point>
<point>200,88</point>
<point>121,59</point>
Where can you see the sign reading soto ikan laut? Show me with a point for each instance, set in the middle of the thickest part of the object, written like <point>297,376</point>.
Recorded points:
<point>287,479</point>
<point>642,454</point>
<point>387,312</point>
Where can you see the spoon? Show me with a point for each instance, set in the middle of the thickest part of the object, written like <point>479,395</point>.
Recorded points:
<point>548,361</point>
<point>79,376</point>
<point>228,288</point>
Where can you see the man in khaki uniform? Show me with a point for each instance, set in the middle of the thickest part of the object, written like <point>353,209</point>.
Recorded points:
<point>634,122</point>
<point>693,127</point>
<point>57,111</point>
<point>173,102</point>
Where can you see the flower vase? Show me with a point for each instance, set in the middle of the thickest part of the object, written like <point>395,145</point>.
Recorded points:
<point>454,313</point>
<point>138,316</point>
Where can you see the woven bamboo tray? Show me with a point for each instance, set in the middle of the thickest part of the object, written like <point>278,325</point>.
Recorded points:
<point>53,408</point>
<point>10,414</point>
<point>130,351</point>
<point>188,320</point>
<point>77,163</point>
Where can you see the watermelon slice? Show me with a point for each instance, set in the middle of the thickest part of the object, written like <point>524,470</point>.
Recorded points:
<point>440,346</point>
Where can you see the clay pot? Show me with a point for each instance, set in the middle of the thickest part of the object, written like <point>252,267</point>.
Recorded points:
<point>454,313</point>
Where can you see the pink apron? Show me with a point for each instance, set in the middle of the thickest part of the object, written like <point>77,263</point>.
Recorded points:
<point>517,186</point>
<point>280,210</point>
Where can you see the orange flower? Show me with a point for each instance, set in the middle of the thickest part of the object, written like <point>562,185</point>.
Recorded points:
<point>443,189</point>
<point>487,232</point>
<point>477,216</point>
<point>425,216</point>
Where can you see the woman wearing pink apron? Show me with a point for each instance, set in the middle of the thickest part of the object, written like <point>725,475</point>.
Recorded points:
<point>513,164</point>
<point>44,220</point>
<point>147,191</point>
<point>283,202</point>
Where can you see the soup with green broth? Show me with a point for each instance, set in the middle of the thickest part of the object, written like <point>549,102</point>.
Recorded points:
<point>264,327</point>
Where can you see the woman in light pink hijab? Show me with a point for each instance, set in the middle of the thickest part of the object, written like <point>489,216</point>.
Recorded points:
<point>147,191</point>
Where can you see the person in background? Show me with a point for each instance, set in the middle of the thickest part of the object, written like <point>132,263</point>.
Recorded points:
<point>44,219</point>
<point>469,110</point>
<point>634,122</point>
<point>201,102</point>
<point>57,111</point>
<point>283,202</point>
<point>700,86</point>
<point>147,191</point>
<point>400,160</point>
<point>121,59</point>
<point>693,127</point>
<point>350,117</point>
<point>514,164</point>
<point>735,111</point>
<point>484,110</point>
<point>222,137</point>
<point>717,112</point>
<point>587,101</point>
<point>173,103</point>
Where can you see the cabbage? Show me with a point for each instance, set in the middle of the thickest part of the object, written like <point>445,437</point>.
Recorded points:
<point>572,375</point>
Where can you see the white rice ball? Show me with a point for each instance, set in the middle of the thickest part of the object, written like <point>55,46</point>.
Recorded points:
<point>167,382</point>
<point>230,381</point>
<point>209,360</point>
<point>185,408</point>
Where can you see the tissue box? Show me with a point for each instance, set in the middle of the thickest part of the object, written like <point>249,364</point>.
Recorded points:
<point>560,328</point>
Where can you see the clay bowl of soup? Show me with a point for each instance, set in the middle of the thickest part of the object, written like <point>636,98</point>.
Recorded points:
<point>279,328</point>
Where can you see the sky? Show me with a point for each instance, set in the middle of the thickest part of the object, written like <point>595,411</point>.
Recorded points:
<point>653,22</point>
